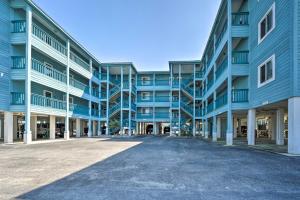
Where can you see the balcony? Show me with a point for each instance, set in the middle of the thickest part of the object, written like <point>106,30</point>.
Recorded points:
<point>199,75</point>
<point>221,100</point>
<point>125,104</point>
<point>48,39</point>
<point>18,62</point>
<point>161,82</point>
<point>145,99</point>
<point>240,57</point>
<point>18,26</point>
<point>39,100</point>
<point>175,104</point>
<point>162,99</point>
<point>199,93</point>
<point>199,112</point>
<point>79,109</point>
<point>145,82</point>
<point>210,108</point>
<point>96,74</point>
<point>95,112</point>
<point>145,115</point>
<point>221,35</point>
<point>79,61</point>
<point>103,95</point>
<point>161,115</point>
<point>240,95</point>
<point>48,71</point>
<point>175,84</point>
<point>95,92</point>
<point>79,85</point>
<point>210,84</point>
<point>240,19</point>
<point>221,68</point>
<point>17,98</point>
<point>103,76</point>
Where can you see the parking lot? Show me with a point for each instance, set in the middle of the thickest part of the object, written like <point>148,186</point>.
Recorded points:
<point>145,168</point>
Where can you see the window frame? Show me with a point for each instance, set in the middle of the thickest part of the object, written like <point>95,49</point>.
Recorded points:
<point>273,61</point>
<point>271,9</point>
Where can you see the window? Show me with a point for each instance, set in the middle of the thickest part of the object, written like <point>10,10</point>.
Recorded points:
<point>145,80</point>
<point>266,71</point>
<point>145,96</point>
<point>266,24</point>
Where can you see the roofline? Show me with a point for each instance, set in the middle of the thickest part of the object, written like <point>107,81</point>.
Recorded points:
<point>40,10</point>
<point>185,62</point>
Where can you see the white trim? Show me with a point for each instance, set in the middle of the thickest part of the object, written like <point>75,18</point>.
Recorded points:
<point>259,84</point>
<point>273,23</point>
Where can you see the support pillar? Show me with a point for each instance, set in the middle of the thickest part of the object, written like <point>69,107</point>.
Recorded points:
<point>235,127</point>
<point>8,127</point>
<point>78,127</point>
<point>239,121</point>
<point>206,129</point>
<point>94,128</point>
<point>280,127</point>
<point>52,127</point>
<point>99,128</point>
<point>273,127</point>
<point>218,127</point>
<point>229,132</point>
<point>67,133</point>
<point>214,132</point>
<point>294,125</point>
<point>251,123</point>
<point>33,127</point>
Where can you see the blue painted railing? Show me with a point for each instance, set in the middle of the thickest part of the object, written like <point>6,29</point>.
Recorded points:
<point>162,115</point>
<point>221,35</point>
<point>199,93</point>
<point>103,95</point>
<point>17,98</point>
<point>79,61</point>
<point>161,82</point>
<point>149,99</point>
<point>133,89</point>
<point>96,74</point>
<point>187,108</point>
<point>95,92</point>
<point>162,99</point>
<point>199,112</point>
<point>144,115</point>
<point>19,26</point>
<point>240,95</point>
<point>115,108</point>
<point>95,112</point>
<point>18,62</point>
<point>79,109</point>
<point>125,104</point>
<point>240,18</point>
<point>210,83</point>
<point>221,68</point>
<point>199,75</point>
<point>103,76</point>
<point>133,106</point>
<point>125,85</point>
<point>43,101</point>
<point>221,100</point>
<point>79,85</point>
<point>175,104</point>
<point>175,84</point>
<point>210,107</point>
<point>48,71</point>
<point>145,82</point>
<point>114,91</point>
<point>48,39</point>
<point>240,57</point>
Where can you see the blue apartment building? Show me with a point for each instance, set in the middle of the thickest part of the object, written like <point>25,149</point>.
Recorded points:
<point>244,88</point>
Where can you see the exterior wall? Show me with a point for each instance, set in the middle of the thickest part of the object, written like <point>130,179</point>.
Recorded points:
<point>278,42</point>
<point>5,30</point>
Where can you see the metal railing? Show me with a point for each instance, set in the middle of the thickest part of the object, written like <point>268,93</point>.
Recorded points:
<point>199,74</point>
<point>18,62</point>
<point>48,71</point>
<point>221,100</point>
<point>145,82</point>
<point>17,98</point>
<point>144,115</point>
<point>18,26</point>
<point>210,107</point>
<point>48,39</point>
<point>221,68</point>
<point>43,101</point>
<point>79,61</point>
<point>162,115</point>
<point>162,99</point>
<point>79,85</point>
<point>240,57</point>
<point>240,18</point>
<point>79,109</point>
<point>221,35</point>
<point>240,95</point>
<point>161,82</point>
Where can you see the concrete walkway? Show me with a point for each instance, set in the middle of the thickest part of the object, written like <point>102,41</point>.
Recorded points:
<point>145,168</point>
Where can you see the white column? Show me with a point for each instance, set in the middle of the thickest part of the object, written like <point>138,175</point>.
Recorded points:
<point>219,127</point>
<point>280,127</point>
<point>94,128</point>
<point>194,102</point>
<point>52,127</point>
<point>8,127</point>
<point>33,127</point>
<point>99,128</point>
<point>107,101</point>
<point>214,132</point>
<point>78,127</point>
<point>130,99</point>
<point>251,123</point>
<point>235,127</point>
<point>206,129</point>
<point>90,123</point>
<point>66,133</point>
<point>294,125</point>
<point>179,91</point>
<point>27,135</point>
<point>155,128</point>
<point>273,126</point>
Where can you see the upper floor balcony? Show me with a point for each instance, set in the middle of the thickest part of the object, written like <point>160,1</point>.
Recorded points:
<point>240,24</point>
<point>240,57</point>
<point>18,26</point>
<point>240,95</point>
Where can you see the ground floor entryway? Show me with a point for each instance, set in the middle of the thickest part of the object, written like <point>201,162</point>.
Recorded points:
<point>153,128</point>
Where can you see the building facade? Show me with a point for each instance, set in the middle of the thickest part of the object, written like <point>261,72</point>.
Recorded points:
<point>244,88</point>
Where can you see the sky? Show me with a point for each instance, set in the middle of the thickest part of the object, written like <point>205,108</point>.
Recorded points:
<point>148,33</point>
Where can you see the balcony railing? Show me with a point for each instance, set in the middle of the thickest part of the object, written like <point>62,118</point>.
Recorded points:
<point>161,82</point>
<point>175,84</point>
<point>125,85</point>
<point>240,57</point>
<point>199,112</point>
<point>240,18</point>
<point>240,96</point>
<point>96,74</point>
<point>210,84</point>
<point>43,101</point>
<point>199,74</point>
<point>210,107</point>
<point>221,68</point>
<point>79,85</point>
<point>199,93</point>
<point>79,61</point>
<point>161,115</point>
<point>125,104</point>
<point>103,76</point>
<point>221,100</point>
<point>221,35</point>
<point>95,92</point>
<point>144,115</point>
<point>79,109</point>
<point>148,99</point>
<point>17,98</point>
<point>162,99</point>
<point>95,112</point>
<point>19,26</point>
<point>18,62</point>
<point>48,71</point>
<point>175,104</point>
<point>48,39</point>
<point>145,82</point>
<point>133,106</point>
<point>103,95</point>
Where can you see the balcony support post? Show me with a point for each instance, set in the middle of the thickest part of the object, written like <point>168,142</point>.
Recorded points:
<point>67,133</point>
<point>179,100</point>
<point>8,127</point>
<point>214,132</point>
<point>130,99</point>
<point>194,101</point>
<point>122,100</point>
<point>107,101</point>
<point>90,131</point>
<point>27,135</point>
<point>251,124</point>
